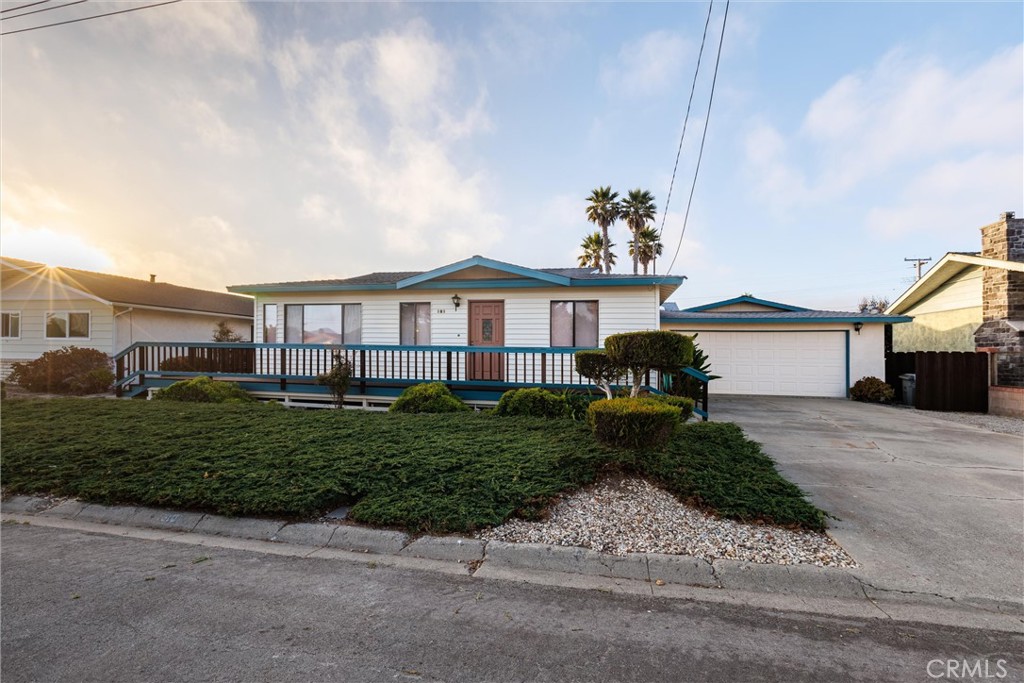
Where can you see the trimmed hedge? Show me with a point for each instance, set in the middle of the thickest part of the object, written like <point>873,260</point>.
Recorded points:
<point>871,390</point>
<point>684,403</point>
<point>71,370</point>
<point>204,390</point>
<point>534,402</point>
<point>433,397</point>
<point>646,350</point>
<point>633,422</point>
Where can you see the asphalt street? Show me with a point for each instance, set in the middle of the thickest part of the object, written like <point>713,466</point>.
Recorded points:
<point>92,607</point>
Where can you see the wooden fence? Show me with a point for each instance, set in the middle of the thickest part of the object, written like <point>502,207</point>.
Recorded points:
<point>945,380</point>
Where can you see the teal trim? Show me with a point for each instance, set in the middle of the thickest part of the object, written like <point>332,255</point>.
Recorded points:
<point>481,284</point>
<point>628,281</point>
<point>846,334</point>
<point>725,320</point>
<point>486,263</point>
<point>700,412</point>
<point>694,372</point>
<point>358,347</point>
<point>744,300</point>
<point>305,287</point>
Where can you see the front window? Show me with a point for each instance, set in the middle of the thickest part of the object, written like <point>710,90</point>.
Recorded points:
<point>11,323</point>
<point>269,323</point>
<point>323,323</point>
<point>67,325</point>
<point>574,324</point>
<point>414,324</point>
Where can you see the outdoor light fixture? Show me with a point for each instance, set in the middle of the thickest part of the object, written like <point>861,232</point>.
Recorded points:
<point>457,300</point>
<point>856,326</point>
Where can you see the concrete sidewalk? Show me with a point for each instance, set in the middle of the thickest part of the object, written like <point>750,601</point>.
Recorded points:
<point>928,507</point>
<point>793,588</point>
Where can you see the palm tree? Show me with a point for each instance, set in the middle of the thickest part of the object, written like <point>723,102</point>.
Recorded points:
<point>592,255</point>
<point>637,209</point>
<point>603,212</point>
<point>646,247</point>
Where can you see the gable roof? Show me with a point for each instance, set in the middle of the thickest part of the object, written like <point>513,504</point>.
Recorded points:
<point>502,275</point>
<point>948,267</point>
<point>776,313</point>
<point>745,299</point>
<point>114,289</point>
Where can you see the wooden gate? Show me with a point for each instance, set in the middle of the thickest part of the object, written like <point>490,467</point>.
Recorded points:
<point>946,380</point>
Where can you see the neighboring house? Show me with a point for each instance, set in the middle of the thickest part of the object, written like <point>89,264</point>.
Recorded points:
<point>477,302</point>
<point>974,301</point>
<point>769,348</point>
<point>44,308</point>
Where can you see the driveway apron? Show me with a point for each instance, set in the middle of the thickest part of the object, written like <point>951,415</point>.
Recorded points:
<point>923,504</point>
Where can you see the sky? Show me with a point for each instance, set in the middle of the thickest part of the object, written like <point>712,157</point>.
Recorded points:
<point>220,143</point>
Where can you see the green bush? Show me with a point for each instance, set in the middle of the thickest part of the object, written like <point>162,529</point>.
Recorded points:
<point>684,403</point>
<point>682,384</point>
<point>640,352</point>
<point>577,403</point>
<point>434,397</point>
<point>69,370</point>
<point>871,390</point>
<point>533,402</point>
<point>204,390</point>
<point>633,422</point>
<point>337,379</point>
<point>599,369</point>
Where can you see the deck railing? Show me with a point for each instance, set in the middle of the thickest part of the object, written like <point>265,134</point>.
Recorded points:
<point>450,364</point>
<point>276,365</point>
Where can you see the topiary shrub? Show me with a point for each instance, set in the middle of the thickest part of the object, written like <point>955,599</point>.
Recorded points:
<point>684,403</point>
<point>433,397</point>
<point>633,422</point>
<point>70,370</point>
<point>204,390</point>
<point>599,369</point>
<point>534,402</point>
<point>337,379</point>
<point>640,352</point>
<point>871,390</point>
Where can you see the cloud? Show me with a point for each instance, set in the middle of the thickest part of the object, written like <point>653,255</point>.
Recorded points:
<point>646,66</point>
<point>213,130</point>
<point>53,247</point>
<point>903,123</point>
<point>199,31</point>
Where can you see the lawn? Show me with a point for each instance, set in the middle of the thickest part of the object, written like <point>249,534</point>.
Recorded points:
<point>454,472</point>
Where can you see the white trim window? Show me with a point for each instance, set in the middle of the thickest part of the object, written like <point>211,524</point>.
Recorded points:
<point>414,324</point>
<point>11,323</point>
<point>323,323</point>
<point>269,323</point>
<point>574,324</point>
<point>68,325</point>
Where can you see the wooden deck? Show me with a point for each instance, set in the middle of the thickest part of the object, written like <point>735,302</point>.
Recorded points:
<point>287,372</point>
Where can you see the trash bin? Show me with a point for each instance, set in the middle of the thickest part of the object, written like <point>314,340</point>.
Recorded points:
<point>909,384</point>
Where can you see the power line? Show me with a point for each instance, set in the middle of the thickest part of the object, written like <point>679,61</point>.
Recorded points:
<point>31,4</point>
<point>918,262</point>
<point>686,118</point>
<point>703,137</point>
<point>45,9</point>
<point>95,16</point>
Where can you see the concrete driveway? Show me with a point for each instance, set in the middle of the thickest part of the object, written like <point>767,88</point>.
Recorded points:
<point>923,504</point>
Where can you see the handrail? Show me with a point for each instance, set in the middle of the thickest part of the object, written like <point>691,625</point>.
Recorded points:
<point>358,347</point>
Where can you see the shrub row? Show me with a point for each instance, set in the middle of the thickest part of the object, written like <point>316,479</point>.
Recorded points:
<point>69,370</point>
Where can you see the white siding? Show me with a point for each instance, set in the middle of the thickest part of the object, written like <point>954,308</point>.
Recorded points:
<point>143,325</point>
<point>33,301</point>
<point>962,291</point>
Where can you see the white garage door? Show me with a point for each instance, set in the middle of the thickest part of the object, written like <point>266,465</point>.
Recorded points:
<point>779,363</point>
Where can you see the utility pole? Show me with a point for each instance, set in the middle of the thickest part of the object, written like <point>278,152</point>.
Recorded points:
<point>918,262</point>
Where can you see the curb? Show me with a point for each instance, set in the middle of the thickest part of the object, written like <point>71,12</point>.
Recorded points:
<point>504,560</point>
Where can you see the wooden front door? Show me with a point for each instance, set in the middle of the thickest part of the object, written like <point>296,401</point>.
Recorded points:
<point>486,328</point>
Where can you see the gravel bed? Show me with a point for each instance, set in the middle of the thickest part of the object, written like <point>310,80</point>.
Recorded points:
<point>631,515</point>
<point>994,423</point>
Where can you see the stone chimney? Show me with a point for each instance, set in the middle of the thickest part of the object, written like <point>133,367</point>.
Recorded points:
<point>1002,308</point>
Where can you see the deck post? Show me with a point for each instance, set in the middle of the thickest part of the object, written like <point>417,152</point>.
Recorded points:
<point>449,354</point>
<point>362,371</point>
<point>119,373</point>
<point>284,359</point>
<point>704,400</point>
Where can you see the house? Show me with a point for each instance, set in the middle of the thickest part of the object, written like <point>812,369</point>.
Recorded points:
<point>770,348</point>
<point>44,308</point>
<point>974,301</point>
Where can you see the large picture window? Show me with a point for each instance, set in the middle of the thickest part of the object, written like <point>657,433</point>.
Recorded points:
<point>269,323</point>
<point>414,324</point>
<point>574,323</point>
<point>66,325</point>
<point>323,324</point>
<point>11,323</point>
